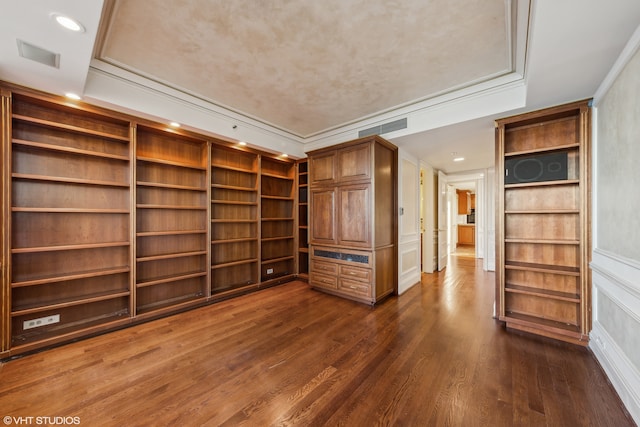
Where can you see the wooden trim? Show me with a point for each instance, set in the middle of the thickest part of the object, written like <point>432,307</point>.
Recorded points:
<point>5,219</point>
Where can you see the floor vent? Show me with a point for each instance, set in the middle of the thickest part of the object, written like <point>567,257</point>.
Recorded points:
<point>38,54</point>
<point>384,128</point>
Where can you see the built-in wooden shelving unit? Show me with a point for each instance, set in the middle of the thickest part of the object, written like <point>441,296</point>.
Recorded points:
<point>303,219</point>
<point>171,220</point>
<point>109,220</point>
<point>277,198</point>
<point>543,245</point>
<point>234,219</point>
<point>70,221</point>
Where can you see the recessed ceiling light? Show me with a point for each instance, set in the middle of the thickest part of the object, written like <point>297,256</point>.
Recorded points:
<point>242,143</point>
<point>72,95</point>
<point>284,155</point>
<point>458,159</point>
<point>68,23</point>
<point>174,124</point>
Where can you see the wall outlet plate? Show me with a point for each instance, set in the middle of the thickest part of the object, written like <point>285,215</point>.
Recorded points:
<point>40,321</point>
<point>269,270</point>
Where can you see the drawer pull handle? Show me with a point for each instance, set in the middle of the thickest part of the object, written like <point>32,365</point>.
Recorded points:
<point>353,287</point>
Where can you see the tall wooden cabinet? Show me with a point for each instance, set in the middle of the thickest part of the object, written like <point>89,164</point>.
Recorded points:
<point>278,219</point>
<point>109,220</point>
<point>171,220</point>
<point>68,221</point>
<point>353,219</point>
<point>543,240</point>
<point>303,219</point>
<point>234,219</point>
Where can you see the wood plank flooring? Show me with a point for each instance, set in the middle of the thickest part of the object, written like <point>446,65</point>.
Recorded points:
<point>290,355</point>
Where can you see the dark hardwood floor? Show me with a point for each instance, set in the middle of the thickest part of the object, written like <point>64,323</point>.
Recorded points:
<point>289,355</point>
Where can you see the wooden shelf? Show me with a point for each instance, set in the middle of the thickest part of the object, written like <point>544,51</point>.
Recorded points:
<point>57,305</point>
<point>272,175</point>
<point>169,233</point>
<point>543,241</point>
<point>70,150</point>
<point>273,260</point>
<point>528,319</point>
<point>234,240</point>
<point>170,256</point>
<point>169,186</point>
<point>542,150</point>
<point>233,221</point>
<point>277,219</point>
<point>232,263</point>
<point>542,268</point>
<point>542,293</point>
<point>70,210</point>
<point>171,163</point>
<point>71,276</point>
<point>233,168</point>
<point>172,207</point>
<point>234,187</point>
<point>68,247</point>
<point>171,305</point>
<point>68,180</point>
<point>266,196</point>
<point>169,279</point>
<point>274,239</point>
<point>75,129</point>
<point>542,211</point>
<point>543,184</point>
<point>234,203</point>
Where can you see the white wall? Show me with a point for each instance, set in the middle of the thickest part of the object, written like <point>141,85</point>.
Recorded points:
<point>615,338</point>
<point>489,219</point>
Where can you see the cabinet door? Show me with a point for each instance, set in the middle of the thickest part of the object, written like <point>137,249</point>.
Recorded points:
<point>464,202</point>
<point>354,227</point>
<point>354,163</point>
<point>465,235</point>
<point>322,224</point>
<point>322,168</point>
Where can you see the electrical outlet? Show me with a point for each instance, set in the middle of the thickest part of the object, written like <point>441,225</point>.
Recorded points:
<point>41,321</point>
<point>269,270</point>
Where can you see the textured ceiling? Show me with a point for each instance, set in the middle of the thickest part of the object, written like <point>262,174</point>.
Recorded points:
<point>309,66</point>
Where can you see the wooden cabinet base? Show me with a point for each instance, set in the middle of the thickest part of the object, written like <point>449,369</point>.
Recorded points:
<point>557,332</point>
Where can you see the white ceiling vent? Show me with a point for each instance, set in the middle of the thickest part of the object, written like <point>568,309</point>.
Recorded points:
<point>384,128</point>
<point>38,54</point>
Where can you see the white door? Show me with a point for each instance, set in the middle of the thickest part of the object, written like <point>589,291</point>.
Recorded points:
<point>443,221</point>
<point>409,222</point>
<point>428,218</point>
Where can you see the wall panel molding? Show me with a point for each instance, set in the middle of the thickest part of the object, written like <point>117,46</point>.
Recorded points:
<point>617,279</point>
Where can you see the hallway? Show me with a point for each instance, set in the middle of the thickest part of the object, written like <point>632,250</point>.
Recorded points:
<point>289,355</point>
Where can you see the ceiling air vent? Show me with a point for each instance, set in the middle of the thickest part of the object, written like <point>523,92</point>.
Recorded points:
<point>38,54</point>
<point>384,128</point>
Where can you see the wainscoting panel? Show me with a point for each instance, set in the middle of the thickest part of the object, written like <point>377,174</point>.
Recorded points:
<point>409,267</point>
<point>616,311</point>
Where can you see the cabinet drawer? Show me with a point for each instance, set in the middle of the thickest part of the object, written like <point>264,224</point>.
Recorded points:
<point>324,267</point>
<point>355,273</point>
<point>354,287</point>
<point>323,281</point>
